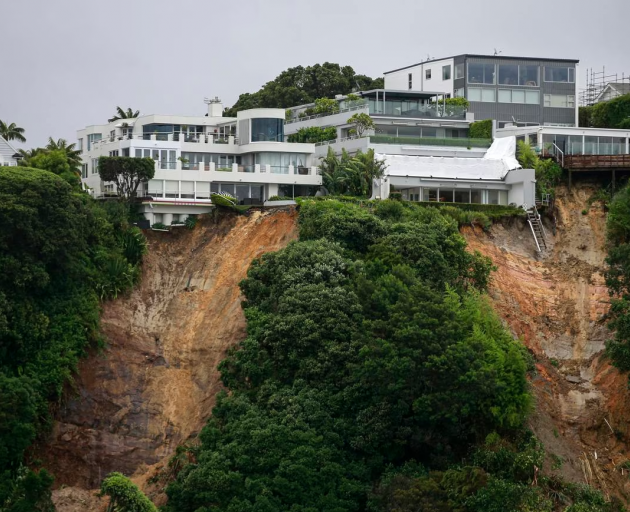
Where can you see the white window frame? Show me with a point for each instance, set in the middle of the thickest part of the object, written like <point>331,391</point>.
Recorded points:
<point>446,69</point>
<point>569,100</point>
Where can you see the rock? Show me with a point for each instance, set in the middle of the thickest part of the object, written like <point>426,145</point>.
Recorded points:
<point>574,379</point>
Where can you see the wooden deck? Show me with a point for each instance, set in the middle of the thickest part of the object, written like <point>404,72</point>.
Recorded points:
<point>595,162</point>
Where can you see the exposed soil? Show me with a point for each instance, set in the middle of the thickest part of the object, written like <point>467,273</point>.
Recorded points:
<point>557,303</point>
<point>154,384</point>
<point>153,387</point>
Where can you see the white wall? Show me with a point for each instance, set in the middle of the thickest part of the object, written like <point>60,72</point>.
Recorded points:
<point>399,80</point>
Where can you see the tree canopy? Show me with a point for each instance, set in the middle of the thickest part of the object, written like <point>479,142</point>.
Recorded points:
<point>11,132</point>
<point>68,257</point>
<point>301,85</point>
<point>124,114</point>
<point>127,173</point>
<point>614,113</point>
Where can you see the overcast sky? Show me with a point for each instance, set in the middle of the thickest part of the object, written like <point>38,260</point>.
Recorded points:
<point>66,64</point>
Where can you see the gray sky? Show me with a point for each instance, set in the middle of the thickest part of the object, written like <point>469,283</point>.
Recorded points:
<point>66,64</point>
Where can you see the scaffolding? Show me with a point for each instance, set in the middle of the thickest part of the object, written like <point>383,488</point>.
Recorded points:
<point>596,82</point>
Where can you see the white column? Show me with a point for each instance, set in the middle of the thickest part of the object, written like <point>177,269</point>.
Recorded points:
<point>167,219</point>
<point>213,167</point>
<point>231,140</point>
<point>234,167</point>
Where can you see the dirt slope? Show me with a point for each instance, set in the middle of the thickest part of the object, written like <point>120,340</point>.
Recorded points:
<point>557,304</point>
<point>154,384</point>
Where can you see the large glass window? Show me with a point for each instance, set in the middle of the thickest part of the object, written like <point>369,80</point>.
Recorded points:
<point>203,190</point>
<point>519,96</point>
<point>559,100</point>
<point>508,74</point>
<point>528,75</point>
<point>187,189</point>
<point>267,130</point>
<point>478,94</point>
<point>479,73</point>
<point>446,72</point>
<point>93,137</point>
<point>563,75</point>
<point>459,71</point>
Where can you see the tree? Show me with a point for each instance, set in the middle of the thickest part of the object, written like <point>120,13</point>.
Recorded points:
<point>126,173</point>
<point>125,495</point>
<point>362,122</point>
<point>453,106</point>
<point>325,106</point>
<point>313,134</point>
<point>351,175</point>
<point>11,132</point>
<point>124,114</point>
<point>55,161</point>
<point>301,85</point>
<point>73,155</point>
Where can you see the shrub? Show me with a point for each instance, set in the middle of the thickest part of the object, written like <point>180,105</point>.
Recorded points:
<point>159,225</point>
<point>584,211</point>
<point>191,221</point>
<point>481,129</point>
<point>395,196</point>
<point>125,495</point>
<point>390,210</point>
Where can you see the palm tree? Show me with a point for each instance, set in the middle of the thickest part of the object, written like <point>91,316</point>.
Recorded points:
<point>11,132</point>
<point>73,155</point>
<point>27,154</point>
<point>124,114</point>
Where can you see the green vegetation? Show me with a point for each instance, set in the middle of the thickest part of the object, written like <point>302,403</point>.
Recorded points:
<point>618,278</point>
<point>481,129</point>
<point>126,172</point>
<point>70,254</point>
<point>374,376</point>
<point>124,114</point>
<point>313,135</point>
<point>301,85</point>
<point>11,132</point>
<point>548,172</point>
<point>614,113</point>
<point>57,157</point>
<point>362,122</point>
<point>351,175</point>
<point>431,141</point>
<point>124,495</point>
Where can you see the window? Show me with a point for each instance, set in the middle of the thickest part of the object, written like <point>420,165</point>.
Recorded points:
<point>484,95</point>
<point>519,96</point>
<point>563,75</point>
<point>94,165</point>
<point>156,188</point>
<point>93,137</point>
<point>410,80</point>
<point>459,93</point>
<point>187,189</point>
<point>528,75</point>
<point>512,74</point>
<point>559,100</point>
<point>459,71</point>
<point>508,74</point>
<point>203,190</point>
<point>446,72</point>
<point>80,145</point>
<point>481,73</point>
<point>84,170</point>
<point>427,74</point>
<point>267,130</point>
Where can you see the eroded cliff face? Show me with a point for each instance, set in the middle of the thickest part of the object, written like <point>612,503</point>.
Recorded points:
<point>558,304</point>
<point>154,384</point>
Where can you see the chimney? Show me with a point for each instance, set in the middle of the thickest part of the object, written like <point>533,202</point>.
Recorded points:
<point>215,107</point>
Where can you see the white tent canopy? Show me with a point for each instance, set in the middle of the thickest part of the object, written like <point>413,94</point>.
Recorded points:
<point>496,163</point>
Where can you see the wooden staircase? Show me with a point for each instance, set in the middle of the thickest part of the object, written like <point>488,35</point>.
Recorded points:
<point>538,230</point>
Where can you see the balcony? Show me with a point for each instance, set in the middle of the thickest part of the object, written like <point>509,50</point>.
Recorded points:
<point>358,105</point>
<point>429,141</point>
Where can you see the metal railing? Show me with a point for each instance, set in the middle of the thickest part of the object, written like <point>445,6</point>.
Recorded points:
<point>343,139</point>
<point>340,111</point>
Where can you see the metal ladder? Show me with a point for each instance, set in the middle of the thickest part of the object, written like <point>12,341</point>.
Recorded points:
<point>538,230</point>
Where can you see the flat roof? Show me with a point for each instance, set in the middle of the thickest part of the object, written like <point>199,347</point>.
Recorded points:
<point>474,55</point>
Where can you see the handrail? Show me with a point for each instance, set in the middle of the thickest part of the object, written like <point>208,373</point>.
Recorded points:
<point>540,221</point>
<point>534,233</point>
<point>316,116</point>
<point>561,154</point>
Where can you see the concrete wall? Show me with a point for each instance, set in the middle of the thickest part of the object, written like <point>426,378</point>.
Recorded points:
<point>399,80</point>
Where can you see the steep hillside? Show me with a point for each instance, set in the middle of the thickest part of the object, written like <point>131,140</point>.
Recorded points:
<point>558,305</point>
<point>153,385</point>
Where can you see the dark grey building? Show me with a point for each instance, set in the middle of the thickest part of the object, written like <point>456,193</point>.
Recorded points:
<point>519,90</point>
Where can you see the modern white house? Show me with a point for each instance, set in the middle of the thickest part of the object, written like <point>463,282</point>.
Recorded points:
<point>539,91</point>
<point>496,178</point>
<point>196,156</point>
<point>8,154</point>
